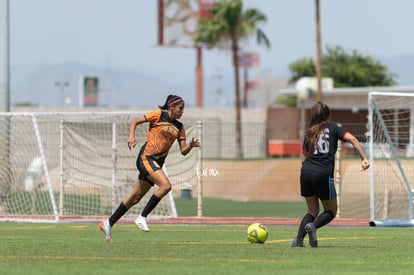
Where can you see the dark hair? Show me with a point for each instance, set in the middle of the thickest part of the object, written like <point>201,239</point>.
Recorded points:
<point>319,117</point>
<point>171,100</point>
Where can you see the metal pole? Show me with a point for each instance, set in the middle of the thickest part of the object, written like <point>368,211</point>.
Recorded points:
<point>5,170</point>
<point>45,168</point>
<point>4,57</point>
<point>199,72</point>
<point>114,162</point>
<point>200,174</point>
<point>62,88</point>
<point>246,88</point>
<point>302,120</point>
<point>319,96</point>
<point>61,184</point>
<point>338,178</point>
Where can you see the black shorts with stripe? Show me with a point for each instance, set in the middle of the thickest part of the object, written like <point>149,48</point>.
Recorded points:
<point>147,165</point>
<point>317,184</point>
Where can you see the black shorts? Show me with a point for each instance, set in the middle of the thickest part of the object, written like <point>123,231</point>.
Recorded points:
<point>317,184</point>
<point>147,165</point>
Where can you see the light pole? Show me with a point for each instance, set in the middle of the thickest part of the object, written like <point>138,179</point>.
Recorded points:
<point>4,57</point>
<point>62,88</point>
<point>319,96</point>
<point>302,97</point>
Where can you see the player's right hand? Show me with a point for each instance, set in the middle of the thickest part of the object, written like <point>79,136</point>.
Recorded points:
<point>131,143</point>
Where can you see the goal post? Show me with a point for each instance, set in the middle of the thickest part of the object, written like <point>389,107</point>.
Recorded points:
<point>70,166</point>
<point>391,153</point>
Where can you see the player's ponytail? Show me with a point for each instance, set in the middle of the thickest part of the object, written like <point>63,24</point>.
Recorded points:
<point>319,117</point>
<point>170,101</point>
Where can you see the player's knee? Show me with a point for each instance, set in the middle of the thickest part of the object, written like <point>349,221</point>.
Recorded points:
<point>333,210</point>
<point>331,213</point>
<point>164,188</point>
<point>136,199</point>
<point>167,188</point>
<point>313,213</point>
<point>313,210</point>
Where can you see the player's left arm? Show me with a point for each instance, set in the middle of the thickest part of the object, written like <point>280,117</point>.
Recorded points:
<point>182,141</point>
<point>186,148</point>
<point>354,141</point>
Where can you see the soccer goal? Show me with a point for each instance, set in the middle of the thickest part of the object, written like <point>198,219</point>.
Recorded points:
<point>66,166</point>
<point>391,152</point>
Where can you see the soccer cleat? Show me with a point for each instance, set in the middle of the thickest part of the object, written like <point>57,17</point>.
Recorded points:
<point>297,243</point>
<point>141,222</point>
<point>106,228</point>
<point>311,230</point>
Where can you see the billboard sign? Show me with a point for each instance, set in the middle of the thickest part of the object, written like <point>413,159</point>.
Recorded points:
<point>89,91</point>
<point>249,60</point>
<point>178,20</point>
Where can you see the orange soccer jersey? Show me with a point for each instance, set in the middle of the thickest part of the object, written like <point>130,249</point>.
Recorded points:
<point>162,133</point>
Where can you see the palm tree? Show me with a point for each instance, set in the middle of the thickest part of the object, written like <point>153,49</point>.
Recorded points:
<point>228,25</point>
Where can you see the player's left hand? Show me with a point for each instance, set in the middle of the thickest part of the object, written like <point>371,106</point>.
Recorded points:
<point>364,164</point>
<point>195,143</point>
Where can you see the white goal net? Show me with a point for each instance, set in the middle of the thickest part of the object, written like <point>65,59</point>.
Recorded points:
<point>391,151</point>
<point>68,166</point>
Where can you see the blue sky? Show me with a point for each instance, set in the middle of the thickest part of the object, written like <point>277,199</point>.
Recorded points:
<point>122,34</point>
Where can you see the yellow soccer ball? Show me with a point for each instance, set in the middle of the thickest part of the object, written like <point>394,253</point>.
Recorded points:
<point>257,233</point>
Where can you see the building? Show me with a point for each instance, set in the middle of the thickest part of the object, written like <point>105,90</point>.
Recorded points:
<point>349,106</point>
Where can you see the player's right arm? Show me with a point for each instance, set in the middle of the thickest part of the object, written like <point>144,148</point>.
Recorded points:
<point>131,139</point>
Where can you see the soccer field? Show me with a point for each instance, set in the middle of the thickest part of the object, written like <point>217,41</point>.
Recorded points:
<point>200,249</point>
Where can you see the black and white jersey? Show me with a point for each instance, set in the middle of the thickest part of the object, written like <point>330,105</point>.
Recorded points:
<point>323,158</point>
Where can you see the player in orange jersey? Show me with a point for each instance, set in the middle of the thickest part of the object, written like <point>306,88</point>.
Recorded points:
<point>164,130</point>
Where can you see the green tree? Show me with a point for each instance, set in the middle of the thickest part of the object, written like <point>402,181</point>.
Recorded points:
<point>228,25</point>
<point>347,68</point>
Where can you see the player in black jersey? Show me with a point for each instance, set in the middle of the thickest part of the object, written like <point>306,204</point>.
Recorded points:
<point>317,172</point>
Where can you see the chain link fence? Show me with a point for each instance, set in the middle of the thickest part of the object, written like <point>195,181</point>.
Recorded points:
<point>261,176</point>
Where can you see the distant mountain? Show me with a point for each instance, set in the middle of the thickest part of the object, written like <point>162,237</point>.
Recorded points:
<point>44,87</point>
<point>123,88</point>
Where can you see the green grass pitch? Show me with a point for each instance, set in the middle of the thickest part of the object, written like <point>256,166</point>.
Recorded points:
<point>27,248</point>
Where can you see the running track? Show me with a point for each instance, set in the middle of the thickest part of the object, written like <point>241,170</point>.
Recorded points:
<point>244,221</point>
